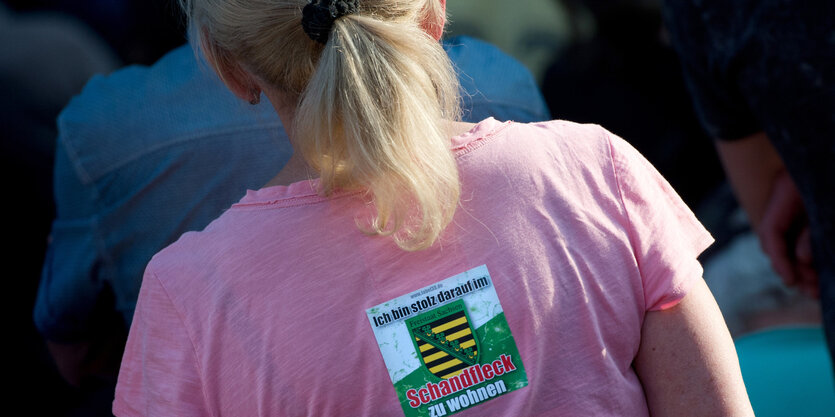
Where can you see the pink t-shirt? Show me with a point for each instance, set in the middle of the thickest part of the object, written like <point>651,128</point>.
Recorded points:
<point>263,312</point>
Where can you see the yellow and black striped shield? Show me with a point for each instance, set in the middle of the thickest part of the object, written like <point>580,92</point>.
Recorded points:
<point>445,339</point>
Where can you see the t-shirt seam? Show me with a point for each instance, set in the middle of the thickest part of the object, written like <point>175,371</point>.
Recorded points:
<point>629,229</point>
<point>190,338</point>
<point>289,201</point>
<point>681,291</point>
<point>458,152</point>
<point>479,142</point>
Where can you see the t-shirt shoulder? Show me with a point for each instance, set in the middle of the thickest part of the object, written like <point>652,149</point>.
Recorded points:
<point>484,129</point>
<point>610,178</point>
<point>569,144</point>
<point>665,235</point>
<point>560,133</point>
<point>305,192</point>
<point>195,254</point>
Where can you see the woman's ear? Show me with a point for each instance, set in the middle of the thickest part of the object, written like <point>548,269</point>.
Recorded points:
<point>239,81</point>
<point>434,22</point>
<point>233,75</point>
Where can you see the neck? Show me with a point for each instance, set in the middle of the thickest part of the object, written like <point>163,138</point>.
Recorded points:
<point>297,169</point>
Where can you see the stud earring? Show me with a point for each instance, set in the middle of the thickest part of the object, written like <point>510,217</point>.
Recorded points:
<point>256,97</point>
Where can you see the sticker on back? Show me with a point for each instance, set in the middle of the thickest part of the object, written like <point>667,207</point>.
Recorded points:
<point>447,346</point>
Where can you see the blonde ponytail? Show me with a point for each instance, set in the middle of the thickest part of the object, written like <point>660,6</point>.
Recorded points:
<point>372,109</point>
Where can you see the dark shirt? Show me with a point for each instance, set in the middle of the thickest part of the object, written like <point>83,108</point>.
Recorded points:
<point>769,65</point>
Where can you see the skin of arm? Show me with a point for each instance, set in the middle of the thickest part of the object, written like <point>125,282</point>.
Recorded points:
<point>752,165</point>
<point>687,362</point>
<point>770,198</point>
<point>68,359</point>
<point>98,359</point>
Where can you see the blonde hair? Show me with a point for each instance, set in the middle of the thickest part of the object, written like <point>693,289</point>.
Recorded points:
<point>372,102</point>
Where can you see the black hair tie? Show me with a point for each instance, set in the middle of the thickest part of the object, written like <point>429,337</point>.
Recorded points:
<point>318,17</point>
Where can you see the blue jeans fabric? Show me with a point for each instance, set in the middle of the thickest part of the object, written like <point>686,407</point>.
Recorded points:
<point>149,153</point>
<point>769,65</point>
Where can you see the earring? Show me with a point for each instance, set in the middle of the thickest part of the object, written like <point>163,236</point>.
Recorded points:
<point>256,97</point>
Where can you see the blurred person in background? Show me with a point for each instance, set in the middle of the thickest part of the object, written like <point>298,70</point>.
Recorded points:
<point>45,58</point>
<point>762,77</point>
<point>620,71</point>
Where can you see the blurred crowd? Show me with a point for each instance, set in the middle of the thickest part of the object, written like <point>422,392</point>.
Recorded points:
<point>615,63</point>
